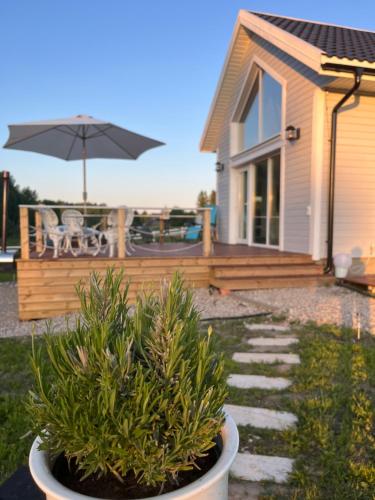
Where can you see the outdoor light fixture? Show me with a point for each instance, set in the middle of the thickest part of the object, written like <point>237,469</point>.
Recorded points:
<point>219,166</point>
<point>292,133</point>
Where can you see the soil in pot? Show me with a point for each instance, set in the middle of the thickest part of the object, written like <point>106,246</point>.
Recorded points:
<point>111,488</point>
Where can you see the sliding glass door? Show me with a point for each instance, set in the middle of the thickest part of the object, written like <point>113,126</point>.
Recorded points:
<point>266,205</point>
<point>243,206</point>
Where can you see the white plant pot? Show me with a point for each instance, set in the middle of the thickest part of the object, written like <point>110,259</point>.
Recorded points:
<point>212,486</point>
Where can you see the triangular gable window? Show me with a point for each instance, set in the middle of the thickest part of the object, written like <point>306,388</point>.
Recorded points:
<point>261,119</point>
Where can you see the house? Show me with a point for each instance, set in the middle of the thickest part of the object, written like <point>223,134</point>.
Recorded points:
<point>292,124</point>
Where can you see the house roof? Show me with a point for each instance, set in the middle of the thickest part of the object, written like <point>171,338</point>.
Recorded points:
<point>324,48</point>
<point>334,41</point>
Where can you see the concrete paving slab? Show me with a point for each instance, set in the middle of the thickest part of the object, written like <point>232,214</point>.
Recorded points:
<point>272,341</point>
<point>267,327</point>
<point>266,357</point>
<point>261,468</point>
<point>263,418</point>
<point>258,382</point>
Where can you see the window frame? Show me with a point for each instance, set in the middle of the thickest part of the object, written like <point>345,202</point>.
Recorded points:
<point>256,68</point>
<point>258,81</point>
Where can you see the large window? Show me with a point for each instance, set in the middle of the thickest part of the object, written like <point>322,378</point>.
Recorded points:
<point>262,117</point>
<point>251,121</point>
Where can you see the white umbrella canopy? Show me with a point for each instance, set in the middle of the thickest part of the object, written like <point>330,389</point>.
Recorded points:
<point>79,138</point>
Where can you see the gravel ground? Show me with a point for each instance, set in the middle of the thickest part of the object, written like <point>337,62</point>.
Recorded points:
<point>209,305</point>
<point>323,304</point>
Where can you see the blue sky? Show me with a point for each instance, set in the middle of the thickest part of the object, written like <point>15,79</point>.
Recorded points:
<point>149,66</point>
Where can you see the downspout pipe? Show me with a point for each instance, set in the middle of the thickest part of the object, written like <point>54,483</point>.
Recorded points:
<point>332,168</point>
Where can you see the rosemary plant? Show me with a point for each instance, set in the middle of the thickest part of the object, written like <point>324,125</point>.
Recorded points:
<point>139,393</point>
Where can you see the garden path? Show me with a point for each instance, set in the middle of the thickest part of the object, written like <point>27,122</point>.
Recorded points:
<point>256,467</point>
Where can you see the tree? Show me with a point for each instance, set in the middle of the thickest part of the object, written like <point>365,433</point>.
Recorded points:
<point>17,196</point>
<point>212,198</point>
<point>202,200</point>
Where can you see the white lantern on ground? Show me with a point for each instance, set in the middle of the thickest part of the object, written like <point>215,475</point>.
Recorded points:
<point>343,262</point>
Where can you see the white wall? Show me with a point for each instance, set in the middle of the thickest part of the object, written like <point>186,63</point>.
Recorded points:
<point>354,229</point>
<point>301,83</point>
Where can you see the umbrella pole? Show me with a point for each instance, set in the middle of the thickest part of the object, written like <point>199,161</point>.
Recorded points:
<point>84,155</point>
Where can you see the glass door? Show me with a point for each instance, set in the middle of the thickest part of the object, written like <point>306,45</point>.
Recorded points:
<point>274,209</point>
<point>260,202</point>
<point>243,206</point>
<point>266,212</point>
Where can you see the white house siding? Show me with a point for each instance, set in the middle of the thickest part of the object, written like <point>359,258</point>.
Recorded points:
<point>354,228</point>
<point>301,82</point>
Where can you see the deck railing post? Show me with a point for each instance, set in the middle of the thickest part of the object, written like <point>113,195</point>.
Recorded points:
<point>121,247</point>
<point>206,232</point>
<point>24,230</point>
<point>38,232</point>
<point>161,229</point>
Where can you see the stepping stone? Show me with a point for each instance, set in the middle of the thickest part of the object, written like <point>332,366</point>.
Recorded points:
<point>272,341</point>
<point>258,382</point>
<point>266,357</point>
<point>267,327</point>
<point>261,417</point>
<point>261,468</point>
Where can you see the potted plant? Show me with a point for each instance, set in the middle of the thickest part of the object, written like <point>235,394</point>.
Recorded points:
<point>131,405</point>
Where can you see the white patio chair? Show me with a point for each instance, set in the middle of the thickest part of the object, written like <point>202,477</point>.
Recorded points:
<point>52,231</point>
<point>111,233</point>
<point>73,221</point>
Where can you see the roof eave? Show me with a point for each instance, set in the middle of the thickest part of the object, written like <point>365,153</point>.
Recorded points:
<point>345,62</point>
<point>202,145</point>
<point>304,52</point>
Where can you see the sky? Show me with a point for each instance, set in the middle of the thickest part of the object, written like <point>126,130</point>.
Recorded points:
<point>148,66</point>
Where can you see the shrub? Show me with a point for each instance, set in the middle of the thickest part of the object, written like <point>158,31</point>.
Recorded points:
<point>141,393</point>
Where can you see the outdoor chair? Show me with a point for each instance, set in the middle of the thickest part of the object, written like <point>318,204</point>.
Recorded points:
<point>111,233</point>
<point>52,231</point>
<point>193,232</point>
<point>73,222</point>
<point>213,221</point>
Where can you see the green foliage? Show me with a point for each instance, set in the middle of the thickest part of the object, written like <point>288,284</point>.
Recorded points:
<point>202,199</point>
<point>17,196</point>
<point>141,393</point>
<point>205,199</point>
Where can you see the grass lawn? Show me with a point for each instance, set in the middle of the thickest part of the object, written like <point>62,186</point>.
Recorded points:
<point>7,273</point>
<point>333,396</point>
<point>7,276</point>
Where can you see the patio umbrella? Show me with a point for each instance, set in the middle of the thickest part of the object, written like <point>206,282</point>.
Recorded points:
<point>79,138</point>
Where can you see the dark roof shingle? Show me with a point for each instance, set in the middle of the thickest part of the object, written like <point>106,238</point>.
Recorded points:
<point>334,41</point>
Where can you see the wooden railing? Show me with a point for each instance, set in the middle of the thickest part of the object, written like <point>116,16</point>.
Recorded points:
<point>30,216</point>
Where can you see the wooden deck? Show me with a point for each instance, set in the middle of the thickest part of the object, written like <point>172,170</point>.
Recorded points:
<point>46,287</point>
<point>364,284</point>
<point>166,250</point>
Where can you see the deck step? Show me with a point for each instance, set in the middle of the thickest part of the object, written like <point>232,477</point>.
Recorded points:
<point>274,270</point>
<point>270,282</point>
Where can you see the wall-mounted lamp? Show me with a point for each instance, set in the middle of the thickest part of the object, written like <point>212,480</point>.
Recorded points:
<point>292,133</point>
<point>219,166</point>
